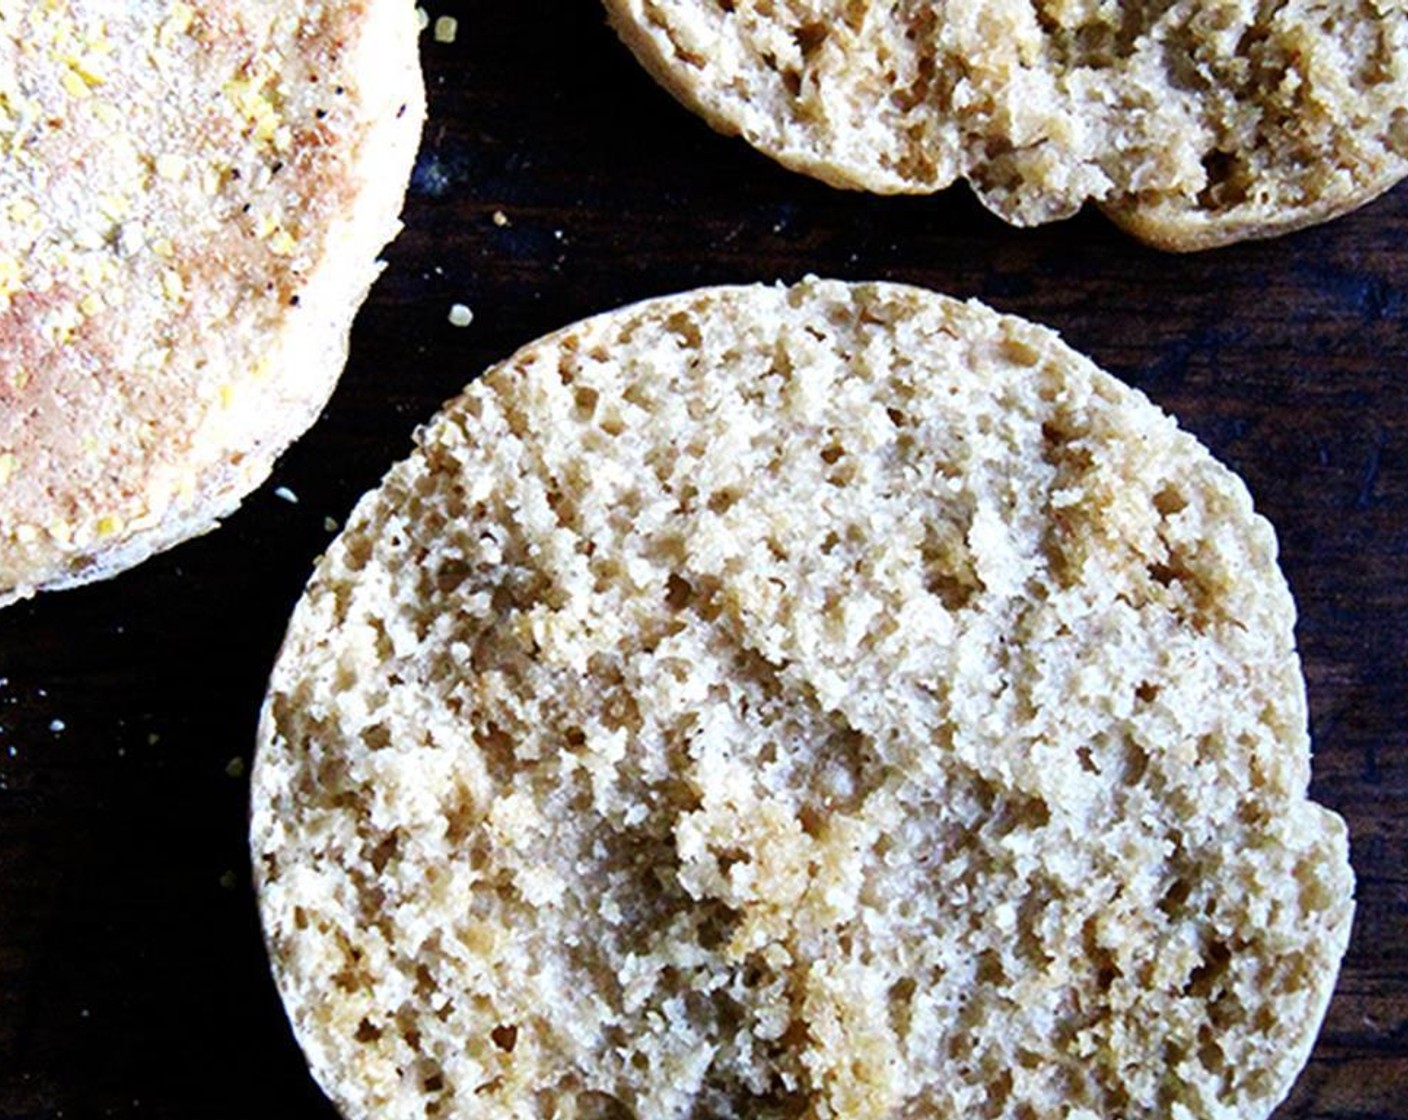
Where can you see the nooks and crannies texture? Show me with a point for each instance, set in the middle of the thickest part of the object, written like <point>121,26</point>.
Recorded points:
<point>818,702</point>
<point>192,200</point>
<point>1193,122</point>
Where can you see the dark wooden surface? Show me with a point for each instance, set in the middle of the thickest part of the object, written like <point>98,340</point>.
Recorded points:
<point>132,977</point>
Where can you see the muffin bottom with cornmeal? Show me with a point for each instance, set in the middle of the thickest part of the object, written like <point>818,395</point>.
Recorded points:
<point>828,701</point>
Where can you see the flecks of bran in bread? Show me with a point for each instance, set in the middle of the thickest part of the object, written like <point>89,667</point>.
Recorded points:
<point>834,701</point>
<point>1194,122</point>
<point>192,198</point>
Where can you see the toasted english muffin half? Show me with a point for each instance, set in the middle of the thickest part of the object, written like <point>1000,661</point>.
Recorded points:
<point>1194,123</point>
<point>192,200</point>
<point>827,701</point>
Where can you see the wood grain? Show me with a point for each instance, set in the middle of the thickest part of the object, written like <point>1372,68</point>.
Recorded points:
<point>132,978</point>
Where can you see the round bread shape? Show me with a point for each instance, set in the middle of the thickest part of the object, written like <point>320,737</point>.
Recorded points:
<point>192,199</point>
<point>1194,123</point>
<point>828,701</point>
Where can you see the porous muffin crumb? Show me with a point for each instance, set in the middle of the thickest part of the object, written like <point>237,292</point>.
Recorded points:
<point>828,701</point>
<point>1194,123</point>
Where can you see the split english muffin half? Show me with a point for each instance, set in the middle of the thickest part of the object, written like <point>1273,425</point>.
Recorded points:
<point>1192,123</point>
<point>826,701</point>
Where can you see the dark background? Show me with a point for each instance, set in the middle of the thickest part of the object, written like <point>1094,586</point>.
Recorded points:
<point>132,976</point>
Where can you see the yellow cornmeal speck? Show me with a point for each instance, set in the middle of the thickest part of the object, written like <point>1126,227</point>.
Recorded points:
<point>176,24</point>
<point>283,244</point>
<point>114,206</point>
<point>227,395</point>
<point>446,28</point>
<point>7,467</point>
<point>154,359</point>
<point>22,210</point>
<point>91,238</point>
<point>19,379</point>
<point>107,526</point>
<point>91,304</point>
<point>74,85</point>
<point>131,238</point>
<point>256,109</point>
<point>163,247</point>
<point>58,326</point>
<point>264,225</point>
<point>88,69</point>
<point>172,284</point>
<point>11,275</point>
<point>98,271</point>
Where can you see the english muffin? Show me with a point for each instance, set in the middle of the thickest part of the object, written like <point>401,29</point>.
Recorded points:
<point>1193,123</point>
<point>827,701</point>
<point>192,200</point>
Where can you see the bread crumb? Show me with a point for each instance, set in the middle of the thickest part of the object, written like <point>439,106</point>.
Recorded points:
<point>460,315</point>
<point>446,28</point>
<point>235,767</point>
<point>422,18</point>
<point>330,524</point>
<point>57,725</point>
<point>500,219</point>
<point>287,495</point>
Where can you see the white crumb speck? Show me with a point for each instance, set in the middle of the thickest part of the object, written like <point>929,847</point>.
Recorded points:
<point>460,315</point>
<point>500,219</point>
<point>287,495</point>
<point>57,725</point>
<point>330,524</point>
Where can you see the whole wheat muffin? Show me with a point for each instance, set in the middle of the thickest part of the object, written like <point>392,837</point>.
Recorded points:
<point>835,701</point>
<point>1192,122</point>
<point>192,199</point>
